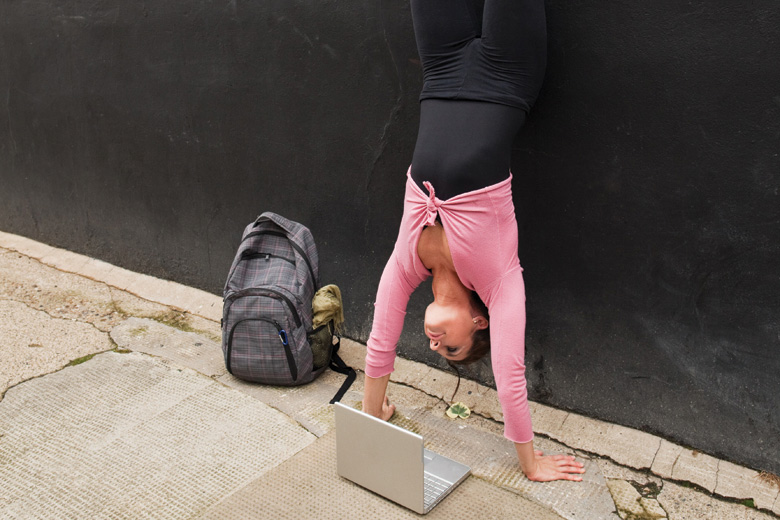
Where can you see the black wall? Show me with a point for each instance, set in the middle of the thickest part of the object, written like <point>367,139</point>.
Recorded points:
<point>646,180</point>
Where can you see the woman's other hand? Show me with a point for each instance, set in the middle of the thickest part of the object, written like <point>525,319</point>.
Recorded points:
<point>375,401</point>
<point>385,412</point>
<point>555,467</point>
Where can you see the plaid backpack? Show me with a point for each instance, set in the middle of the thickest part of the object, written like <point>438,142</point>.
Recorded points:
<point>267,311</point>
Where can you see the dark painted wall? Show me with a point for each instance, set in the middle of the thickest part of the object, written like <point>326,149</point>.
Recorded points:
<point>646,181</point>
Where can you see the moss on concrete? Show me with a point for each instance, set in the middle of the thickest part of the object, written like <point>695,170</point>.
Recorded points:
<point>81,360</point>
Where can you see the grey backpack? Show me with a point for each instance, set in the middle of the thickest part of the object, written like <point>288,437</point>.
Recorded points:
<point>267,314</point>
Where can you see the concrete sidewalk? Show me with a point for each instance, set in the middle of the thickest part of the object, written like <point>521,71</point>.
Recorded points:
<point>116,404</point>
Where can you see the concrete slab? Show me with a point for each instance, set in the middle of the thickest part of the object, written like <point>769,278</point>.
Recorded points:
<point>187,349</point>
<point>630,447</point>
<point>628,500</point>
<point>438,383</point>
<point>589,499</point>
<point>127,436</point>
<point>180,296</point>
<point>697,468</point>
<point>443,384</point>
<point>34,343</point>
<point>64,260</point>
<point>493,459</point>
<point>130,305</point>
<point>683,503</point>
<point>309,405</point>
<point>189,299</point>
<point>478,442</point>
<point>614,471</point>
<point>24,245</point>
<point>623,445</point>
<point>117,277</point>
<point>632,505</point>
<point>68,296</point>
<point>102,271</point>
<point>742,483</point>
<point>353,354</point>
<point>407,372</point>
<point>307,486</point>
<point>652,508</point>
<point>665,459</point>
<point>547,420</point>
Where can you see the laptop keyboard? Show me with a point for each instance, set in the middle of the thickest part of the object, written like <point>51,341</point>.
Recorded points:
<point>434,487</point>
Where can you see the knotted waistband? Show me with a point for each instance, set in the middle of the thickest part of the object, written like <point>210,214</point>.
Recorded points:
<point>432,205</point>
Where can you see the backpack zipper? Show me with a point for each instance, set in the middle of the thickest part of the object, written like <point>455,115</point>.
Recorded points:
<point>282,336</point>
<point>255,291</point>
<point>249,255</point>
<point>292,243</point>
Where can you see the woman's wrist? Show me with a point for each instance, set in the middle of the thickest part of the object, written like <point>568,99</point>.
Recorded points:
<point>526,457</point>
<point>374,389</point>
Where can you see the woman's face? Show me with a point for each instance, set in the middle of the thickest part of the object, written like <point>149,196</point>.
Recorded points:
<point>450,328</point>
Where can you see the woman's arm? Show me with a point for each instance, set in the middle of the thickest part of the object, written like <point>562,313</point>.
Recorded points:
<point>506,302</point>
<point>395,289</point>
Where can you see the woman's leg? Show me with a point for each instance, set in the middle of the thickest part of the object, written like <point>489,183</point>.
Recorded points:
<point>442,26</point>
<point>464,144</point>
<point>514,34</point>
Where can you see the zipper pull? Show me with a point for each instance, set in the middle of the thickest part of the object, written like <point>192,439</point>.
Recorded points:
<point>283,337</point>
<point>267,257</point>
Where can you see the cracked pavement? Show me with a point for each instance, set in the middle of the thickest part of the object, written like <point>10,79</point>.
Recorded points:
<point>169,357</point>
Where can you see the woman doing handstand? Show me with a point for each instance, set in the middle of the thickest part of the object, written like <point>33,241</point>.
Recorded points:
<point>483,65</point>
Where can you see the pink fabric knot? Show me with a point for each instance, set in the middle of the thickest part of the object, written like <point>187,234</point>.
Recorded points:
<point>431,205</point>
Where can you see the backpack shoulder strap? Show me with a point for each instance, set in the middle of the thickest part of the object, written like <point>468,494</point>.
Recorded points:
<point>337,365</point>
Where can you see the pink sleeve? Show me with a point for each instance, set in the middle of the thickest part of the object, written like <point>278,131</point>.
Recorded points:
<point>506,302</point>
<point>395,288</point>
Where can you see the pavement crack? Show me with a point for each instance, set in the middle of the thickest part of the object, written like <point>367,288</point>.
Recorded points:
<point>407,385</point>
<point>589,454</point>
<point>565,419</point>
<point>39,309</point>
<point>52,316</point>
<point>113,304</point>
<point>674,465</point>
<point>654,456</point>
<point>495,421</point>
<point>71,363</point>
<point>717,477</point>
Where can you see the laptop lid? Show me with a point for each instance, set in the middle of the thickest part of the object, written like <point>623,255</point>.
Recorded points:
<point>380,456</point>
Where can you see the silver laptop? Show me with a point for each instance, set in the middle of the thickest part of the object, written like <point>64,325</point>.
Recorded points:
<point>393,462</point>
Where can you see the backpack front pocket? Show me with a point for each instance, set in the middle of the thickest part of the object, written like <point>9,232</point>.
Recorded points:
<point>258,349</point>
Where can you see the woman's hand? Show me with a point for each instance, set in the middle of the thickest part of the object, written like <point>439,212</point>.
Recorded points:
<point>387,410</point>
<point>385,413</point>
<point>555,467</point>
<point>375,401</point>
